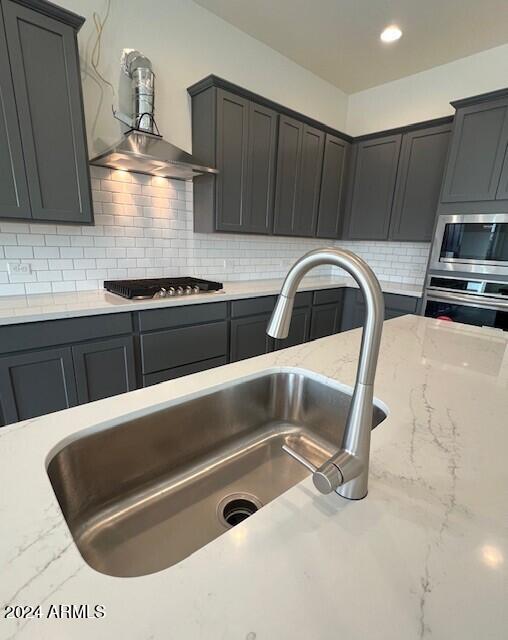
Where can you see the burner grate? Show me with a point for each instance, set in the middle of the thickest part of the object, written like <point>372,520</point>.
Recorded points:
<point>148,287</point>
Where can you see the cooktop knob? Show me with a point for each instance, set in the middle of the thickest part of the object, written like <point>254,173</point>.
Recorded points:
<point>162,293</point>
<point>196,289</point>
<point>179,291</point>
<point>171,291</point>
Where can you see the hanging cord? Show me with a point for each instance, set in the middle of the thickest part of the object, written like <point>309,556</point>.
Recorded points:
<point>96,51</point>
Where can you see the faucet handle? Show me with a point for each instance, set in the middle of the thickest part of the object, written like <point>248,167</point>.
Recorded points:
<point>326,479</point>
<point>306,463</point>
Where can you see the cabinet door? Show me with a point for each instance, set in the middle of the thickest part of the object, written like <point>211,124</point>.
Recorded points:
<point>477,150</point>
<point>35,383</point>
<point>502,190</point>
<point>104,368</point>
<point>14,202</point>
<point>419,178</point>
<point>248,337</point>
<point>299,329</point>
<point>373,188</point>
<point>325,320</point>
<point>288,170</point>
<point>396,305</point>
<point>309,182</point>
<point>332,188</point>
<point>261,169</point>
<point>47,89</point>
<point>232,149</point>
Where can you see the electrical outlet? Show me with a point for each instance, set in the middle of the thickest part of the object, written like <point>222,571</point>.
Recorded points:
<point>17,269</point>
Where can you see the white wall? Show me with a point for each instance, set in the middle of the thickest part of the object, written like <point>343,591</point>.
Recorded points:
<point>186,43</point>
<point>426,95</point>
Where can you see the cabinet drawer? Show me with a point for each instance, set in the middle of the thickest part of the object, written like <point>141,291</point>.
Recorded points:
<point>327,296</point>
<point>185,370</point>
<point>406,304</point>
<point>303,299</point>
<point>181,315</point>
<point>176,347</point>
<point>252,306</point>
<point>36,335</point>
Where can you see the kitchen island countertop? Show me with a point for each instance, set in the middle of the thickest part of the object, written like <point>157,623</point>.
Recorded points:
<point>425,555</point>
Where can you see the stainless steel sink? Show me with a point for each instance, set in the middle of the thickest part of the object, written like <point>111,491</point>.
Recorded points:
<point>142,495</point>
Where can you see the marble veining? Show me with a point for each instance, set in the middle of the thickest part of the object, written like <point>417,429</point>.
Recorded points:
<point>425,555</point>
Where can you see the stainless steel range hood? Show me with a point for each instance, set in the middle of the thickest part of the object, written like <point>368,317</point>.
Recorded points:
<point>146,153</point>
<point>141,149</point>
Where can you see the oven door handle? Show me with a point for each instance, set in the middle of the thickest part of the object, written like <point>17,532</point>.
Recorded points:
<point>466,300</point>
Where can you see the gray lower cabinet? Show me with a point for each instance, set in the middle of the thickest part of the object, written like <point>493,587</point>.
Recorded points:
<point>299,329</point>
<point>353,314</point>
<point>53,365</point>
<point>477,151</point>
<point>14,201</point>
<point>419,177</point>
<point>184,370</point>
<point>249,320</point>
<point>373,186</point>
<point>331,199</point>
<point>327,312</point>
<point>104,368</point>
<point>43,63</point>
<point>35,383</point>
<point>248,337</point>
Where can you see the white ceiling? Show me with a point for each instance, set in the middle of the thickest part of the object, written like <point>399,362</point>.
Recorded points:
<point>338,40</point>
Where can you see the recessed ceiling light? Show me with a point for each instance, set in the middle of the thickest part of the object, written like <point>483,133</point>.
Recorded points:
<point>391,33</point>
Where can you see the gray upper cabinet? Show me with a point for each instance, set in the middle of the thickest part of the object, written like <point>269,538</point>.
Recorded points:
<point>232,149</point>
<point>43,63</point>
<point>373,187</point>
<point>477,152</point>
<point>288,174</point>
<point>313,142</point>
<point>331,201</point>
<point>502,190</point>
<point>261,160</point>
<point>419,177</point>
<point>239,137</point>
<point>14,202</point>
<point>299,166</point>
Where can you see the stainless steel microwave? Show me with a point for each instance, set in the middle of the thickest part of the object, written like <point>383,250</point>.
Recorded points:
<point>476,243</point>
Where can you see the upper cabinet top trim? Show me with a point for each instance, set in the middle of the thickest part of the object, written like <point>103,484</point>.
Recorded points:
<point>424,124</point>
<point>216,81</point>
<point>482,97</point>
<point>53,11</point>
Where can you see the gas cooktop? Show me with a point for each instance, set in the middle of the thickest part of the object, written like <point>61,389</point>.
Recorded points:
<point>160,287</point>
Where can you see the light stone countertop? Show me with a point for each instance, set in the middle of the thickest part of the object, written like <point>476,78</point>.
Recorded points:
<point>425,555</point>
<point>37,307</point>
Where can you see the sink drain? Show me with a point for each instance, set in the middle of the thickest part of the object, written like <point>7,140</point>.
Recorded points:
<point>234,508</point>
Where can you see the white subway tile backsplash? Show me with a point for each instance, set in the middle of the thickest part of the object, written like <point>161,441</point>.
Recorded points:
<point>144,228</point>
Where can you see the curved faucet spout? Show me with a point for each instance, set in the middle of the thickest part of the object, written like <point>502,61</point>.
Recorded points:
<point>349,467</point>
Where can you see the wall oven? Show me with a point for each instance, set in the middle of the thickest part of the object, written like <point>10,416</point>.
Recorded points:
<point>483,303</point>
<point>476,243</point>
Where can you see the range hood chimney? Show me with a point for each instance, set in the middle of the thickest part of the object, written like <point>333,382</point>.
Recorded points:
<point>142,148</point>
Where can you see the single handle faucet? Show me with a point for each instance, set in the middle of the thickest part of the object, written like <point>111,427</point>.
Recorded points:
<point>347,471</point>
